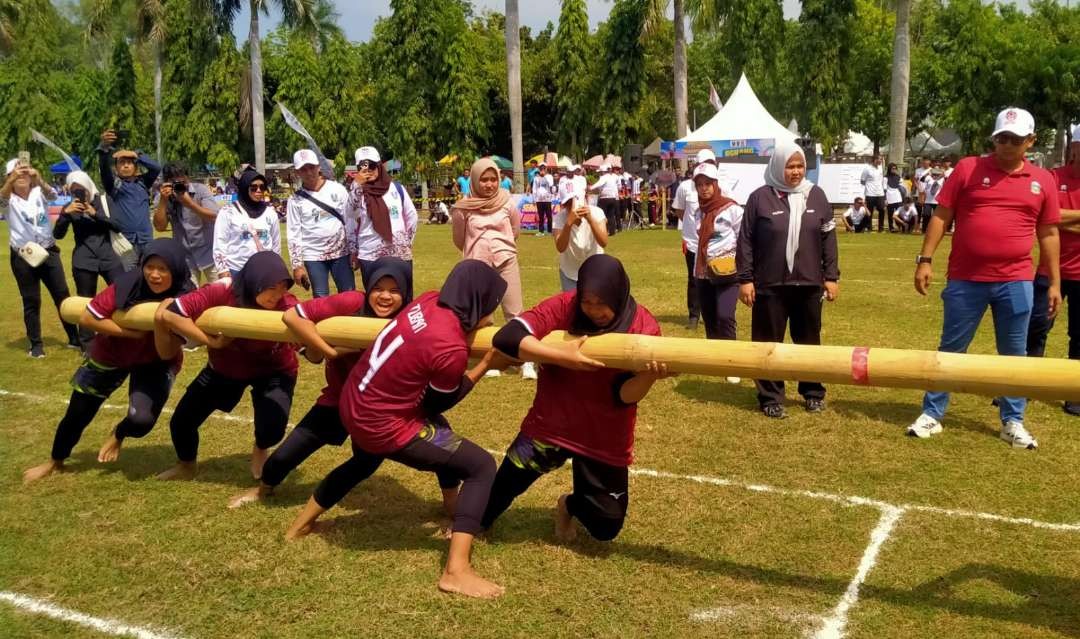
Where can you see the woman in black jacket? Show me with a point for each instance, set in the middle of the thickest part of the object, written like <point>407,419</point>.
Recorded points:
<point>787,265</point>
<point>88,216</point>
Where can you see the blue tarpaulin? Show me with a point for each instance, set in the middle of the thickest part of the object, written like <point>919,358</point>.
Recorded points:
<point>61,168</point>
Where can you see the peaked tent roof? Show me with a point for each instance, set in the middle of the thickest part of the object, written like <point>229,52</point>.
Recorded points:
<point>742,118</point>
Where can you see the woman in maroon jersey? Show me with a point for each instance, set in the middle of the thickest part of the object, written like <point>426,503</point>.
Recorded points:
<point>392,400</point>
<point>269,368</point>
<point>150,358</point>
<point>582,410</point>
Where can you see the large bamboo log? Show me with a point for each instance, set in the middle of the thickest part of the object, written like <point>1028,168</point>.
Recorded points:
<point>1043,378</point>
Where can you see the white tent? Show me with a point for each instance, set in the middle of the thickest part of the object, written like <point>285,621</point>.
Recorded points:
<point>742,118</point>
<point>858,144</point>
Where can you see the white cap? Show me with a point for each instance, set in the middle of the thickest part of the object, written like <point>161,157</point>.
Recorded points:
<point>705,155</point>
<point>1016,121</point>
<point>573,168</point>
<point>11,166</point>
<point>304,157</point>
<point>367,153</point>
<point>708,170</point>
<point>604,168</point>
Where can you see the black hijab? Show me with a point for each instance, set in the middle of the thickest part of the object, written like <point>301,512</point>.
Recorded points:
<point>254,208</point>
<point>472,290</point>
<point>263,270</point>
<point>893,177</point>
<point>393,267</point>
<point>131,287</point>
<point>604,276</point>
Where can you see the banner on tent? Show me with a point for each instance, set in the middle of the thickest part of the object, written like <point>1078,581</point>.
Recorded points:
<point>762,147</point>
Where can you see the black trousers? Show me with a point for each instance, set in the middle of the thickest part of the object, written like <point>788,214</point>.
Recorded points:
<point>693,302</point>
<point>321,426</point>
<point>927,213</point>
<point>1040,323</point>
<point>86,286</point>
<point>543,214</point>
<point>148,391</point>
<point>271,397</point>
<point>29,280</point>
<point>877,203</point>
<point>774,308</point>
<point>718,301</point>
<point>610,207</point>
<point>865,224</point>
<point>453,458</point>
<point>600,497</point>
<point>890,210</point>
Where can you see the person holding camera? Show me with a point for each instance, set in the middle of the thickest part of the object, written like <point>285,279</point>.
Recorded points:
<point>129,190</point>
<point>191,209</point>
<point>35,258</point>
<point>88,215</point>
<point>380,217</point>
<point>315,229</point>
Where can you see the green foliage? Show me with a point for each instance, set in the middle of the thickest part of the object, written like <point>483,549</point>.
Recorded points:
<point>121,92</point>
<point>824,35</point>
<point>573,108</point>
<point>621,84</point>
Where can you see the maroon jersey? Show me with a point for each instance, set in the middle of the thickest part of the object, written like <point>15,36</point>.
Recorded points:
<point>121,352</point>
<point>423,346</point>
<point>242,359</point>
<point>337,370</point>
<point>577,410</point>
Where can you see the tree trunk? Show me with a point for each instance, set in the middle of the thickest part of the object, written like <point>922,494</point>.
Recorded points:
<point>1060,133</point>
<point>258,127</point>
<point>681,99</point>
<point>513,72</point>
<point>157,100</point>
<point>901,77</point>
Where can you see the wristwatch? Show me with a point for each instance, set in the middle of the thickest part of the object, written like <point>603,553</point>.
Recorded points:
<point>922,259</point>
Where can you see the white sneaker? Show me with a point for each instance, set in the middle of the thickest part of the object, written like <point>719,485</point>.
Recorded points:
<point>734,380</point>
<point>493,373</point>
<point>924,427</point>
<point>1015,433</point>
<point>528,370</point>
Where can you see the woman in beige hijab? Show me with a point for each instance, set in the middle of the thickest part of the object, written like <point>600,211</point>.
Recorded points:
<point>486,227</point>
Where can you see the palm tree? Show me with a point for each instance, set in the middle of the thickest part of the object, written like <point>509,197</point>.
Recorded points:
<point>901,79</point>
<point>513,73</point>
<point>296,14</point>
<point>12,13</point>
<point>323,26</point>
<point>655,17</point>
<point>149,29</point>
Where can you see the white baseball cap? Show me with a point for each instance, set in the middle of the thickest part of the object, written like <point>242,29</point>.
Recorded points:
<point>367,153</point>
<point>304,157</point>
<point>705,155</point>
<point>1016,121</point>
<point>708,170</point>
<point>573,168</point>
<point>604,168</point>
<point>11,164</point>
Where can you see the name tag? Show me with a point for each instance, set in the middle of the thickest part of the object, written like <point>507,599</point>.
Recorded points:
<point>781,212</point>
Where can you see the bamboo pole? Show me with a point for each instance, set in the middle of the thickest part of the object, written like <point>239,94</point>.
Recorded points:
<point>992,375</point>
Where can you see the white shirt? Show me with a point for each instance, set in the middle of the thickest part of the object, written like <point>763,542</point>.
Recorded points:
<point>543,188</point>
<point>873,181</point>
<point>856,215</point>
<point>932,187</point>
<point>237,237</point>
<point>583,244</point>
<point>364,242</point>
<point>608,185</point>
<point>29,220</point>
<point>315,235</point>
<point>907,213</point>
<point>685,200</point>
<point>635,190</point>
<point>725,234</point>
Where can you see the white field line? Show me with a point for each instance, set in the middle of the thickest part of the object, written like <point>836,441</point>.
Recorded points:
<point>849,500</point>
<point>736,611</point>
<point>835,624</point>
<point>106,626</point>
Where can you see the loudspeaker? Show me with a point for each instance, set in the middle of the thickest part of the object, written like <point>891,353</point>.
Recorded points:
<point>631,159</point>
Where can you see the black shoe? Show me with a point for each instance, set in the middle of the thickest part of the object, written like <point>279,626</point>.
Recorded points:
<point>814,405</point>
<point>37,352</point>
<point>692,324</point>
<point>74,344</point>
<point>775,411</point>
<point>1072,408</point>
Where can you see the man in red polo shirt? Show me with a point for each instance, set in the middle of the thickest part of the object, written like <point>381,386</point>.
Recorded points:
<point>1068,191</point>
<point>998,202</point>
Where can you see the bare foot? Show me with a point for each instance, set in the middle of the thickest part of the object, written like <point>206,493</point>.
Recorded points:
<point>43,470</point>
<point>182,471</point>
<point>565,530</point>
<point>251,496</point>
<point>110,450</point>
<point>258,458</point>
<point>299,532</point>
<point>467,582</point>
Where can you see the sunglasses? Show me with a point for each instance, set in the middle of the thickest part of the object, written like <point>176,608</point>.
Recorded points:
<point>368,165</point>
<point>1008,138</point>
<point>259,188</point>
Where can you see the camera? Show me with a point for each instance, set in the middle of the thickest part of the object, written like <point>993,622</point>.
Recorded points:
<point>179,188</point>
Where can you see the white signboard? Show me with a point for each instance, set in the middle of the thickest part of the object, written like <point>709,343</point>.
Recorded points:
<point>841,182</point>
<point>738,181</point>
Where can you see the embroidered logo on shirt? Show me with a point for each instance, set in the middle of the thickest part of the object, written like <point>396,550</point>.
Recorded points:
<point>986,181</point>
<point>1064,187</point>
<point>1035,187</point>
<point>781,212</point>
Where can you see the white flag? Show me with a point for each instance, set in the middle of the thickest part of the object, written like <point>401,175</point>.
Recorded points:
<point>37,137</point>
<point>714,97</point>
<point>294,124</point>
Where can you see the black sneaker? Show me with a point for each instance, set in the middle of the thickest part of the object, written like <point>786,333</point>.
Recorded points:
<point>1072,408</point>
<point>37,352</point>
<point>74,345</point>
<point>815,405</point>
<point>775,411</point>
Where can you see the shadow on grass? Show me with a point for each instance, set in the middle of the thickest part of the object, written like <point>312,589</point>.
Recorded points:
<point>22,345</point>
<point>138,463</point>
<point>902,414</point>
<point>717,391</point>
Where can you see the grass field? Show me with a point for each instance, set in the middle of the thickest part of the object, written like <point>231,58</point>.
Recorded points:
<point>738,526</point>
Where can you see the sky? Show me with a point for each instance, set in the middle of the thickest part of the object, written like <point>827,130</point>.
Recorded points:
<point>358,16</point>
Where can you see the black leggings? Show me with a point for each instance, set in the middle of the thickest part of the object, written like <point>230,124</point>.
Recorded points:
<point>543,216</point>
<point>86,286</point>
<point>453,458</point>
<point>601,491</point>
<point>147,393</point>
<point>271,398</point>
<point>321,426</point>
